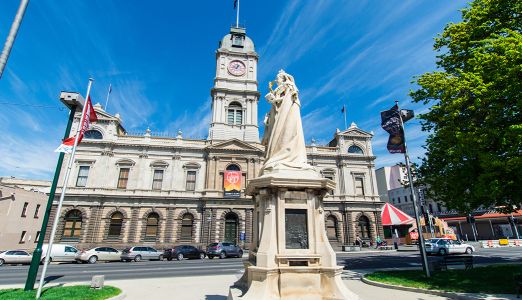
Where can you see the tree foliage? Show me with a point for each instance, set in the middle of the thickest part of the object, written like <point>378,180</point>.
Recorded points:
<point>474,150</point>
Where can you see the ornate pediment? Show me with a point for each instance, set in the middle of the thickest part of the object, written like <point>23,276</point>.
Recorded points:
<point>233,145</point>
<point>355,132</point>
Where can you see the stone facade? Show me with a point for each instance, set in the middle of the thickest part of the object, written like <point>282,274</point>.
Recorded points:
<point>141,189</point>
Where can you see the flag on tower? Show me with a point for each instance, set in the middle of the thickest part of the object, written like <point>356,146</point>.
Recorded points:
<point>343,109</point>
<point>89,117</point>
<point>235,4</point>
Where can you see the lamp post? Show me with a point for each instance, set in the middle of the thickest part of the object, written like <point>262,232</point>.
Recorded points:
<point>72,101</point>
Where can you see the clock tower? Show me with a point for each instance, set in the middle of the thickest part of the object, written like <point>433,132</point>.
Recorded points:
<point>235,95</point>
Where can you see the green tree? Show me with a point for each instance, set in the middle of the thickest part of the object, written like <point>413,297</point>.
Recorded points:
<point>474,150</point>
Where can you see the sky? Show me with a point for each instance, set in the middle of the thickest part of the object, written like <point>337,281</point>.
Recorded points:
<point>159,57</point>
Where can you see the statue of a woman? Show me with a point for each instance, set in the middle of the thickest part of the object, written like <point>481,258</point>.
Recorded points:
<point>284,139</point>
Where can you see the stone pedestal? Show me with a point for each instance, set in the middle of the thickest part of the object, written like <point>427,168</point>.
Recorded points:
<point>290,255</point>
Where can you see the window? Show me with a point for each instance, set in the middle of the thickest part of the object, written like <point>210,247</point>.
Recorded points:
<point>22,237</point>
<point>233,167</point>
<point>93,135</point>
<point>37,237</point>
<point>115,224</point>
<point>83,172</point>
<point>36,211</point>
<point>70,249</point>
<point>191,181</point>
<point>355,150</point>
<point>237,41</point>
<point>73,224</point>
<point>331,228</point>
<point>123,178</point>
<point>186,227</point>
<point>411,198</point>
<point>235,114</point>
<point>157,179</point>
<point>359,186</point>
<point>363,228</point>
<point>439,207</point>
<point>24,210</point>
<point>152,225</point>
<point>405,199</point>
<point>431,207</point>
<point>399,199</point>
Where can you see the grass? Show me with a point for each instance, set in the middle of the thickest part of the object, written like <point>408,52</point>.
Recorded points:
<point>497,279</point>
<point>78,292</point>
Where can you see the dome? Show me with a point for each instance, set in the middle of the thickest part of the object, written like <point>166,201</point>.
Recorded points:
<point>228,41</point>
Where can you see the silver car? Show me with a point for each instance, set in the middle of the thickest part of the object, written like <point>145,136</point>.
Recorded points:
<point>141,252</point>
<point>98,254</point>
<point>15,257</point>
<point>447,246</point>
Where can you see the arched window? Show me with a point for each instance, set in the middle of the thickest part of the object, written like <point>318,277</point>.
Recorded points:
<point>152,225</point>
<point>93,135</point>
<point>235,114</point>
<point>233,167</point>
<point>115,224</point>
<point>355,150</point>
<point>186,226</point>
<point>363,227</point>
<point>231,226</point>
<point>331,228</point>
<point>73,224</point>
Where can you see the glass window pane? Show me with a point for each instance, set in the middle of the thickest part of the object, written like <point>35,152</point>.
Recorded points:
<point>239,117</point>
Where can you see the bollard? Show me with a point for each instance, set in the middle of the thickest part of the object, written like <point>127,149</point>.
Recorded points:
<point>97,281</point>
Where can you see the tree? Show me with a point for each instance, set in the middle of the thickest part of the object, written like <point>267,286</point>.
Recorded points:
<point>474,149</point>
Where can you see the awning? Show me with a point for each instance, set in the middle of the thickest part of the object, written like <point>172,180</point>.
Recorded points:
<point>391,215</point>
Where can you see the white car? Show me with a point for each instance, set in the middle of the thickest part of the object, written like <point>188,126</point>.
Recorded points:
<point>15,257</point>
<point>98,254</point>
<point>448,246</point>
<point>60,252</point>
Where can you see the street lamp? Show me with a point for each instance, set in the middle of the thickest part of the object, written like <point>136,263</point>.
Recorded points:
<point>73,101</point>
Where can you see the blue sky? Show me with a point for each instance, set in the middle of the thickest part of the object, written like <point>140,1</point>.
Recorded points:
<point>159,57</point>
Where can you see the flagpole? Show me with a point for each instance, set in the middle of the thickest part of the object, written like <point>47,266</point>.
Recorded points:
<point>237,15</point>
<point>62,195</point>
<point>108,94</point>
<point>412,191</point>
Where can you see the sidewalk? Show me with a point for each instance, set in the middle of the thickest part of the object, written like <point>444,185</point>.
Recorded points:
<point>216,287</point>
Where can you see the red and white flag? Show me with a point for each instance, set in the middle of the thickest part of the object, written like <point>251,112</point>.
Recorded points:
<point>89,117</point>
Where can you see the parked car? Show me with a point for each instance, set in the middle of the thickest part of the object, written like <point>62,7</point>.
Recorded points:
<point>98,254</point>
<point>223,250</point>
<point>443,246</point>
<point>141,252</point>
<point>60,252</point>
<point>183,251</point>
<point>15,257</point>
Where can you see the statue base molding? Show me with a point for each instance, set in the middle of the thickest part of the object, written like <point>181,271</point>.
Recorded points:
<point>290,257</point>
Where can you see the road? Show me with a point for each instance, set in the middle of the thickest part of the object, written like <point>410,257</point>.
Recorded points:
<point>61,273</point>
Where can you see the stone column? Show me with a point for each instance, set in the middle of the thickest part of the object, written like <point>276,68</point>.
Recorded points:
<point>133,228</point>
<point>169,224</point>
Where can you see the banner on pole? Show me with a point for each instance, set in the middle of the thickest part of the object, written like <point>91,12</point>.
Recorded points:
<point>232,184</point>
<point>391,122</point>
<point>89,117</point>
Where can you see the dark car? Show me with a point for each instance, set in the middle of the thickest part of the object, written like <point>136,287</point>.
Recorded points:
<point>184,251</point>
<point>223,250</point>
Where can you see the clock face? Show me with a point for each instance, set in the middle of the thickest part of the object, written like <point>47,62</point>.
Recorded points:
<point>236,68</point>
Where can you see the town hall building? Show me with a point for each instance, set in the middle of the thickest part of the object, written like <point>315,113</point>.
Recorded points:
<point>141,189</point>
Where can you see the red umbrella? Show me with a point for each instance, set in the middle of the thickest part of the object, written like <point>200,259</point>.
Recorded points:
<point>391,215</point>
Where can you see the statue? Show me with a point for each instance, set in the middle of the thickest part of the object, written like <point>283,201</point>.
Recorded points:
<point>283,136</point>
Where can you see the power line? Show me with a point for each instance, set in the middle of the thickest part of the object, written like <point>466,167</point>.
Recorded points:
<point>32,105</point>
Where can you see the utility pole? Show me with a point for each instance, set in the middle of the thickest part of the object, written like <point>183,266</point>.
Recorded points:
<point>12,35</point>
<point>72,101</point>
<point>415,207</point>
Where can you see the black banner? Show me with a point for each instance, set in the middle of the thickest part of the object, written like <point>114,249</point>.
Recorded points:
<point>390,121</point>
